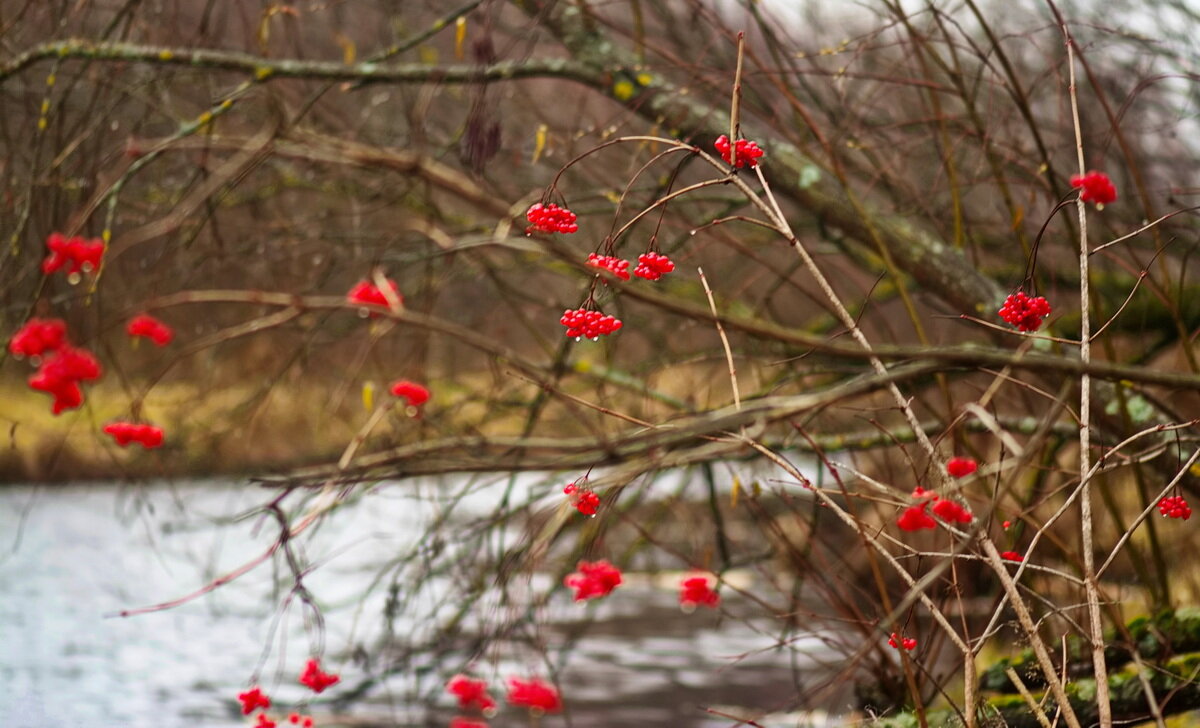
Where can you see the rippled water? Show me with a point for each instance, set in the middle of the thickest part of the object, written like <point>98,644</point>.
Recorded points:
<point>72,556</point>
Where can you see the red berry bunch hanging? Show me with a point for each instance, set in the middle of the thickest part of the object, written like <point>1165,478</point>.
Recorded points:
<point>1095,187</point>
<point>589,323</point>
<point>148,436</point>
<point>653,266</point>
<point>471,693</point>
<point>1024,312</point>
<point>616,266</point>
<point>264,721</point>
<point>534,694</point>
<point>960,467</point>
<point>951,512</point>
<point>37,337</point>
<point>413,393</point>
<point>1175,507</point>
<point>60,375</point>
<point>915,518</point>
<point>366,293</point>
<point>585,500</point>
<point>304,721</point>
<point>75,254</point>
<point>748,152</point>
<point>698,591</point>
<point>908,643</point>
<point>550,218</point>
<point>148,327</point>
<point>315,679</point>
<point>593,580</point>
<point>253,699</point>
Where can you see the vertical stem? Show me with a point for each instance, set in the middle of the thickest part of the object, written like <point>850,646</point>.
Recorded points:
<point>736,102</point>
<point>1104,710</point>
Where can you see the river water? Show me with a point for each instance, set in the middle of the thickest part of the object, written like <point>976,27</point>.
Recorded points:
<point>71,557</point>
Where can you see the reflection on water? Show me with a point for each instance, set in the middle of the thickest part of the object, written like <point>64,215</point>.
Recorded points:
<point>71,556</point>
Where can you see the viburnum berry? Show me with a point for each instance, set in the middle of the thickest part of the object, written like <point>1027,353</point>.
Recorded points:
<point>1095,187</point>
<point>366,293</point>
<point>534,694</point>
<point>461,722</point>
<point>1175,507</point>
<point>253,699</point>
<point>747,152</point>
<point>264,721</point>
<point>610,263</point>
<point>147,326</point>
<point>1012,556</point>
<point>698,591</point>
<point>316,679</point>
<point>908,643</point>
<point>125,433</point>
<point>653,266</point>
<point>951,512</point>
<point>594,579</point>
<point>414,393</point>
<point>75,254</point>
<point>920,493</point>
<point>914,518</point>
<point>587,322</point>
<point>960,467</point>
<point>585,500</point>
<point>37,337</point>
<point>305,721</point>
<point>60,374</point>
<point>1024,312</point>
<point>470,692</point>
<point>550,218</point>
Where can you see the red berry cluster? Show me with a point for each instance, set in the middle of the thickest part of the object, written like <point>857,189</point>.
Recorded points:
<point>148,436</point>
<point>414,393</point>
<point>60,375</point>
<point>534,694</point>
<point>960,467</point>
<point>1095,187</point>
<point>589,323</point>
<point>593,580</point>
<point>304,721</point>
<point>37,337</point>
<point>1024,312</point>
<point>147,326</point>
<point>585,500</point>
<point>916,517</point>
<point>1175,507</point>
<point>366,293</point>
<point>255,699</point>
<point>698,591</point>
<point>550,218</point>
<point>653,266</point>
<point>908,643</point>
<point>748,152</point>
<point>75,254</point>
<point>1012,556</point>
<point>316,679</point>
<point>470,693</point>
<point>613,264</point>
<point>460,722</point>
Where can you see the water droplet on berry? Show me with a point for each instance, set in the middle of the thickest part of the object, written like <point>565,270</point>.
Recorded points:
<point>74,278</point>
<point>579,338</point>
<point>87,267</point>
<point>363,313</point>
<point>693,232</point>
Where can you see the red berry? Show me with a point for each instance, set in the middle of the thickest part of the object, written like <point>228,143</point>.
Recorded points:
<point>951,512</point>
<point>653,266</point>
<point>908,643</point>
<point>470,692</point>
<point>1095,187</point>
<point>151,328</point>
<point>593,580</point>
<point>697,590</point>
<point>76,254</point>
<point>125,433</point>
<point>748,153</point>
<point>584,500</point>
<point>316,679</point>
<point>550,218</point>
<point>534,694</point>
<point>37,337</point>
<point>582,322</point>
<point>411,391</point>
<point>959,467</point>
<point>1175,507</point>
<point>616,266</point>
<point>253,699</point>
<point>1024,312</point>
<point>1012,556</point>
<point>914,518</point>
